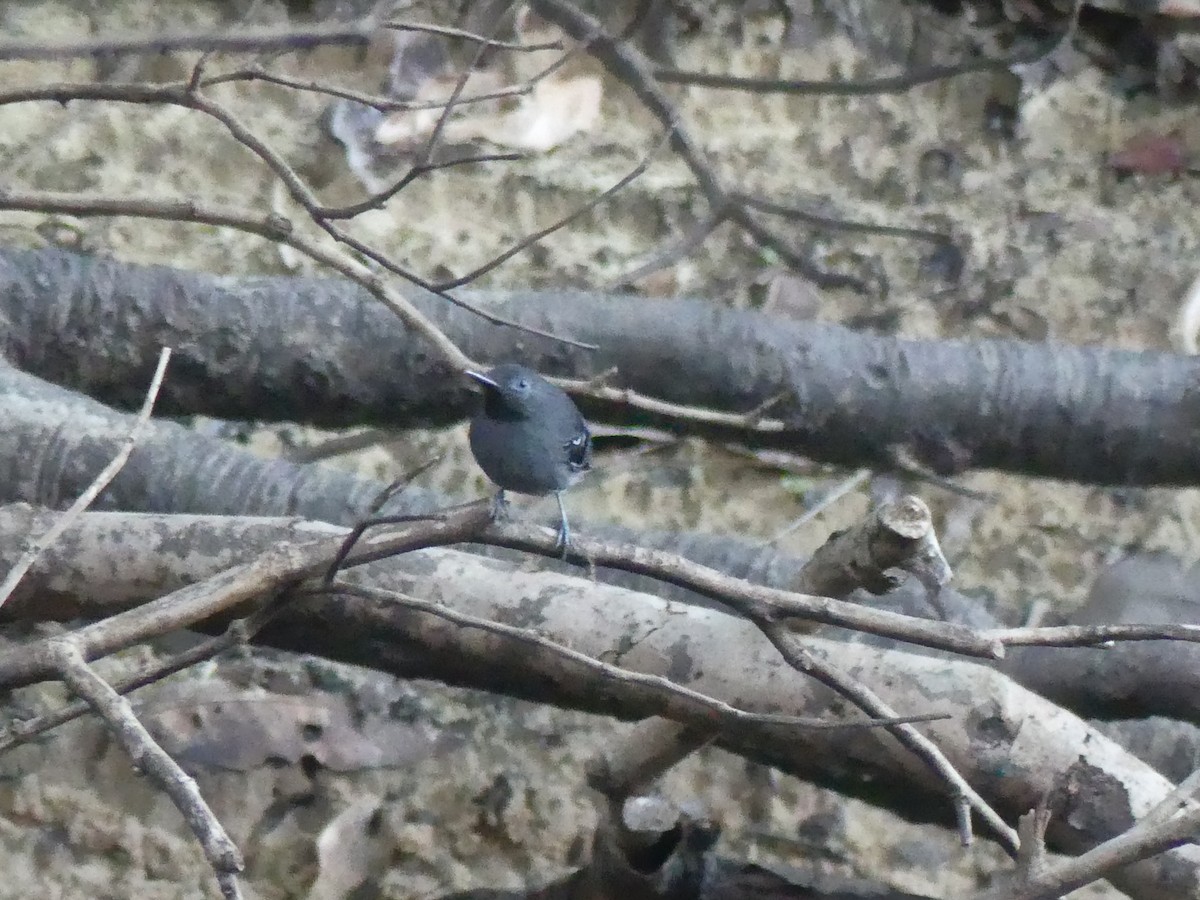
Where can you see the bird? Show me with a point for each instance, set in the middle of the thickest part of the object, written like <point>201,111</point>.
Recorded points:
<point>529,437</point>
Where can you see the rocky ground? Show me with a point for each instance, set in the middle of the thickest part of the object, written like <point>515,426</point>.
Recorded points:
<point>486,791</point>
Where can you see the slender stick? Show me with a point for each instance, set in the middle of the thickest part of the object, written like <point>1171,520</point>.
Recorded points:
<point>220,851</point>
<point>99,483</point>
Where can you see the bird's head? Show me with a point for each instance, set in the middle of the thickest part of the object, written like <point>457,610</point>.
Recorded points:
<point>509,390</point>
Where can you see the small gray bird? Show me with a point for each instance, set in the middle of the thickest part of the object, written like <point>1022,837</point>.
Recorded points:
<point>529,437</point>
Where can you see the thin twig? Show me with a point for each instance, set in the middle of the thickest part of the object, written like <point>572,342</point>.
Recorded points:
<point>378,199</point>
<point>531,239</point>
<point>868,701</point>
<point>470,36</point>
<point>240,40</point>
<point>426,157</point>
<point>828,223</point>
<point>185,95</point>
<point>599,390</point>
<point>371,519</point>
<point>630,66</point>
<point>99,483</point>
<point>673,251</point>
<point>375,101</point>
<point>828,499</point>
<point>238,633</point>
<point>148,757</point>
<point>674,697</point>
<point>1090,635</point>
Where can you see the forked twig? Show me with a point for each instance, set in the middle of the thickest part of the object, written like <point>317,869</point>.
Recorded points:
<point>148,757</point>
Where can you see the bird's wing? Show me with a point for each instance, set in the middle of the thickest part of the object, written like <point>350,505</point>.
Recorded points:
<point>579,450</point>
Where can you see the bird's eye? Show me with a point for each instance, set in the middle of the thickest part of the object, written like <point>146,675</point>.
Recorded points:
<point>523,385</point>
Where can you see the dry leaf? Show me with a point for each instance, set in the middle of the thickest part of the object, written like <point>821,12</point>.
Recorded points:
<point>408,129</point>
<point>224,726</point>
<point>791,296</point>
<point>553,112</point>
<point>350,849</point>
<point>557,110</point>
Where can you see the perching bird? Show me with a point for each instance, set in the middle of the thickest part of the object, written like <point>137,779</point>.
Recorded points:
<point>529,437</point>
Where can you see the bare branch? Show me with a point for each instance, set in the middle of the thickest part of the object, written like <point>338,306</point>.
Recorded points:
<point>673,252</point>
<point>384,104</point>
<point>447,31</point>
<point>630,66</point>
<point>339,445</point>
<point>898,534</point>
<point>1142,841</point>
<point>643,755</point>
<point>531,239</point>
<point>829,497</point>
<point>237,634</point>
<point>599,390</point>
<point>222,854</point>
<point>762,605</point>
<point>1090,635</point>
<point>280,566</point>
<point>271,226</point>
<point>675,699</point>
<point>926,750</point>
<point>895,535</point>
<point>1179,799</point>
<point>828,223</point>
<point>189,96</point>
<point>377,200</point>
<point>99,483</point>
<point>971,688</point>
<point>240,40</point>
<point>426,157</point>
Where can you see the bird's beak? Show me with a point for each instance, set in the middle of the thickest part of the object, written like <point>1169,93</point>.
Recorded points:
<point>483,380</point>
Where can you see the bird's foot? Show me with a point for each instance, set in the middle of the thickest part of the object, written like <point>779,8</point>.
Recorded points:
<point>500,507</point>
<point>563,544</point>
<point>564,530</point>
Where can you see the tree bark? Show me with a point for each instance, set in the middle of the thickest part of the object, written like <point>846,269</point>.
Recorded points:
<point>1011,744</point>
<point>1077,413</point>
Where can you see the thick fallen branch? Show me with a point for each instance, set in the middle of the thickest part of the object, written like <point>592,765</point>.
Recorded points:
<point>99,483</point>
<point>1011,745</point>
<point>241,40</point>
<point>1126,680</point>
<point>828,392</point>
<point>893,536</point>
<point>1157,832</point>
<point>174,469</point>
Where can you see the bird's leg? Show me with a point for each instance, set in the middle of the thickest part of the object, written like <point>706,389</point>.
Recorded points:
<point>499,507</point>
<point>564,530</point>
